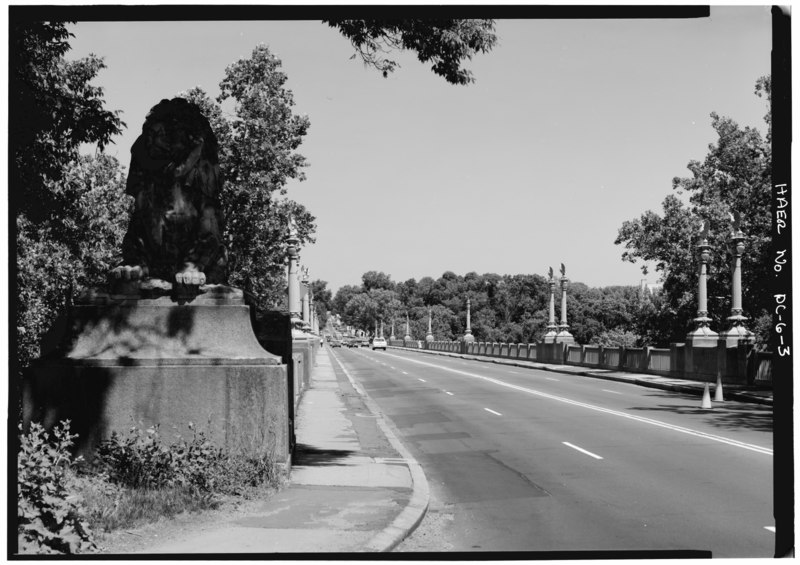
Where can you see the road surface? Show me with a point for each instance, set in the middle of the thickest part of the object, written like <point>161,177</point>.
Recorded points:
<point>527,460</point>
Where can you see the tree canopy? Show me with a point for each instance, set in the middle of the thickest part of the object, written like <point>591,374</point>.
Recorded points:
<point>447,43</point>
<point>735,176</point>
<point>512,308</point>
<point>71,211</point>
<point>258,157</point>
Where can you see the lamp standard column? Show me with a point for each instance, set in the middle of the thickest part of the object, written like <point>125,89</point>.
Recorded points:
<point>564,336</point>
<point>429,336</point>
<point>408,330</point>
<point>293,284</point>
<point>295,309</point>
<point>552,333</point>
<point>703,335</point>
<point>468,337</point>
<point>738,331</point>
<point>305,293</point>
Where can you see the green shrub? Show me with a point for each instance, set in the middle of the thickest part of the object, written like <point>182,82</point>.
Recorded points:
<point>142,460</point>
<point>49,520</point>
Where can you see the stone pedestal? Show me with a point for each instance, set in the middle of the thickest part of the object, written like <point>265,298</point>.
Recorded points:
<point>117,361</point>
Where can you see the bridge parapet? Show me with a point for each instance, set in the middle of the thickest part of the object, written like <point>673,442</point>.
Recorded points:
<point>738,364</point>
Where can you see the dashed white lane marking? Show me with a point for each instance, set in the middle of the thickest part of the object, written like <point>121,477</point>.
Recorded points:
<point>589,453</point>
<point>422,380</point>
<point>515,372</point>
<point>405,373</point>
<point>770,528</point>
<point>493,412</point>
<point>611,391</point>
<point>447,392</point>
<point>642,419</point>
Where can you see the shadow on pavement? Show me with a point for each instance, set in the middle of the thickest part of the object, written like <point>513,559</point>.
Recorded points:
<point>313,456</point>
<point>730,415</point>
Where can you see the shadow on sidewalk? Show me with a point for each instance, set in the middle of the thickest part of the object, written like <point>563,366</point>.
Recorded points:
<point>313,456</point>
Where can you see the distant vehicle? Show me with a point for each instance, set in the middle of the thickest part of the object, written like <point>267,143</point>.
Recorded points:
<point>378,343</point>
<point>363,342</point>
<point>335,343</point>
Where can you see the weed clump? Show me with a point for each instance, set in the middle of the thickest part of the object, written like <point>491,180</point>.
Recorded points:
<point>132,479</point>
<point>48,516</point>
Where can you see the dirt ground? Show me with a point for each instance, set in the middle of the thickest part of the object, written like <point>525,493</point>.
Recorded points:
<point>133,540</point>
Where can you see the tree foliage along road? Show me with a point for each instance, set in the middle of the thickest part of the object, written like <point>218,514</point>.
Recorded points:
<point>258,157</point>
<point>511,308</point>
<point>735,176</point>
<point>71,211</point>
<point>446,43</point>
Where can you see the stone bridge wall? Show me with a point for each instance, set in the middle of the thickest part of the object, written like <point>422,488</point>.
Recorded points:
<point>740,364</point>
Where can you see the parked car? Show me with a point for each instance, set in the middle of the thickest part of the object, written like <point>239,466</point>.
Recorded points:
<point>378,343</point>
<point>335,343</point>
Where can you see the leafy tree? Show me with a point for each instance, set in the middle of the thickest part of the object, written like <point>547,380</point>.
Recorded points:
<point>322,300</point>
<point>55,109</point>
<point>445,43</point>
<point>343,296</point>
<point>374,279</point>
<point>361,312</point>
<point>258,157</point>
<point>69,211</point>
<point>735,176</point>
<point>615,338</point>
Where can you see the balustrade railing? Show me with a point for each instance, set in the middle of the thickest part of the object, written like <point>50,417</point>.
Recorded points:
<point>705,361</point>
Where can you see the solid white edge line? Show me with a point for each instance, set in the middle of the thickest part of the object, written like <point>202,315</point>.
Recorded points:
<point>492,411</point>
<point>673,427</point>
<point>611,391</point>
<point>589,453</point>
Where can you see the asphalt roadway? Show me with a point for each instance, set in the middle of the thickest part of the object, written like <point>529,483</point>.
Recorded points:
<point>527,460</point>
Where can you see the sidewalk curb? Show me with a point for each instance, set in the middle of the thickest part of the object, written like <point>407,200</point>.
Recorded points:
<point>411,516</point>
<point>730,395</point>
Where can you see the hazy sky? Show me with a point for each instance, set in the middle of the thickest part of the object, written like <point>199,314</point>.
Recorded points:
<point>572,127</point>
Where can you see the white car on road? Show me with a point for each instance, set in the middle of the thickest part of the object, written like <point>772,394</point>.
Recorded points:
<point>378,343</point>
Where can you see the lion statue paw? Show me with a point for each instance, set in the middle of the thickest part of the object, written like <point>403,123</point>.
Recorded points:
<point>190,275</point>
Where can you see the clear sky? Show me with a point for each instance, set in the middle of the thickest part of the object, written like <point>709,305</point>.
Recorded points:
<point>572,127</point>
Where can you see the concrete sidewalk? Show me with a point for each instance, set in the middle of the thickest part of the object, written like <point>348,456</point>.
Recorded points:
<point>731,392</point>
<point>353,486</point>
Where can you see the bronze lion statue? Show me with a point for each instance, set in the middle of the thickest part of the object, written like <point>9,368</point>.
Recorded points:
<point>175,232</point>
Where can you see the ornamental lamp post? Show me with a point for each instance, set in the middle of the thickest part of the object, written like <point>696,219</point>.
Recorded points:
<point>564,336</point>
<point>703,335</point>
<point>295,309</point>
<point>468,337</point>
<point>408,330</point>
<point>738,331</point>
<point>429,336</point>
<point>550,336</point>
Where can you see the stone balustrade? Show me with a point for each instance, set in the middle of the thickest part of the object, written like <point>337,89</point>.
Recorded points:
<point>740,364</point>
